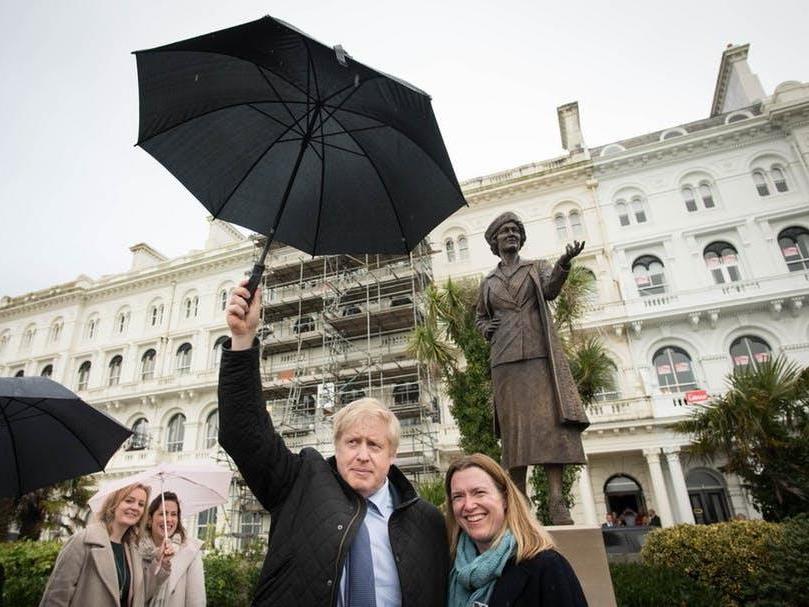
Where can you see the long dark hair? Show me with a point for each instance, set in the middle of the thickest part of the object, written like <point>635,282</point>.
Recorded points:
<point>157,502</point>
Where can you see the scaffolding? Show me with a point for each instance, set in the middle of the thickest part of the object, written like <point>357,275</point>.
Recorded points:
<point>335,328</point>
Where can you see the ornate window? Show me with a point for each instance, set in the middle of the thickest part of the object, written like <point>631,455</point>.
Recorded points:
<point>749,350</point>
<point>184,359</point>
<point>463,248</point>
<point>140,435</point>
<point>722,261</point>
<point>176,433</point>
<point>561,227</point>
<point>638,209</point>
<point>47,371</point>
<point>778,179</point>
<point>84,375</point>
<point>212,429</point>
<point>449,247</point>
<point>91,328</point>
<point>794,244</point>
<point>631,210</point>
<point>147,364</point>
<point>674,370</point>
<point>20,373</point>
<point>28,337</point>
<point>156,315</point>
<point>761,183</point>
<point>770,178</point>
<point>191,306</point>
<point>115,370</point>
<point>217,350</point>
<point>622,212</point>
<point>224,295</point>
<point>650,277</point>
<point>122,322</point>
<point>56,331</point>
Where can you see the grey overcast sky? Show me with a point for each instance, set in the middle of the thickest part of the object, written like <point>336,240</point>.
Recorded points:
<point>75,193</point>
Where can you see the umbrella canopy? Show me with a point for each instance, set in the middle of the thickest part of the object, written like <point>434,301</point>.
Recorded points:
<point>48,434</point>
<point>281,134</point>
<point>198,486</point>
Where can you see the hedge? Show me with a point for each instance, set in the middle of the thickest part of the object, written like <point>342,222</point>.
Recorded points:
<point>640,585</point>
<point>733,558</point>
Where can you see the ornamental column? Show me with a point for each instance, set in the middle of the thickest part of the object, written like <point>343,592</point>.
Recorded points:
<point>587,497</point>
<point>662,504</point>
<point>678,482</point>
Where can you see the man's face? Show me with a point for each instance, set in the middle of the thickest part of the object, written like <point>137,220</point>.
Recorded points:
<point>364,455</point>
<point>508,238</point>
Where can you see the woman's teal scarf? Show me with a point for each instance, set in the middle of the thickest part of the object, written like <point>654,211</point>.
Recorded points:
<point>474,575</point>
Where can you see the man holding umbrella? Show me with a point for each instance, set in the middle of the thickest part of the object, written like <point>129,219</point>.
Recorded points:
<point>348,531</point>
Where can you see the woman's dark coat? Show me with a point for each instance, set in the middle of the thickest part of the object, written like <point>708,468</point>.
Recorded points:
<point>546,580</point>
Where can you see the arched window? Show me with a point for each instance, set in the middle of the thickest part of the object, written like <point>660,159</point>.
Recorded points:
<point>649,275</point>
<point>84,375</point>
<point>176,433</point>
<point>638,209</point>
<point>91,329</point>
<point>184,359</point>
<point>463,248</point>
<point>56,331</point>
<point>191,306</point>
<point>212,429</point>
<point>4,339</point>
<point>47,371</point>
<point>217,350</point>
<point>778,179</point>
<point>575,224</point>
<point>674,370</point>
<point>156,315</point>
<point>115,369</point>
<point>623,214</point>
<point>761,183</point>
<point>449,247</point>
<point>20,373</point>
<point>122,322</point>
<point>624,496</point>
<point>722,261</point>
<point>147,364</point>
<point>690,200</point>
<point>28,336</point>
<point>708,497</point>
<point>224,295</point>
<point>749,350</point>
<point>706,194</point>
<point>140,435</point>
<point>794,243</point>
<point>561,227</point>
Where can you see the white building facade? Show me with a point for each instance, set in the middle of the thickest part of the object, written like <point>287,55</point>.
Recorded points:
<point>698,237</point>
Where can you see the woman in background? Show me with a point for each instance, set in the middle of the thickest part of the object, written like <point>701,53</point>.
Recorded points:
<point>186,584</point>
<point>101,565</point>
<point>502,555</point>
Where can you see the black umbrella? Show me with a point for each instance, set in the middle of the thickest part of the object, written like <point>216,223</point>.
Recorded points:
<point>279,133</point>
<point>48,434</point>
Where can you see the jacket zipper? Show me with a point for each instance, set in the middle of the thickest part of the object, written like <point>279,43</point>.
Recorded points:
<point>335,585</point>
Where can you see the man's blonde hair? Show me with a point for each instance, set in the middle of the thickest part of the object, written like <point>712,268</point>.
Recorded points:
<point>365,408</point>
<point>531,538</point>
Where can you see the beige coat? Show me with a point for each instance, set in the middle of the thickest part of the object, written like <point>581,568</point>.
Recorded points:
<point>85,574</point>
<point>186,584</point>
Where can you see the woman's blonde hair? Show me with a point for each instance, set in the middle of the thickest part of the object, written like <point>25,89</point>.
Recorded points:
<point>529,535</point>
<point>107,513</point>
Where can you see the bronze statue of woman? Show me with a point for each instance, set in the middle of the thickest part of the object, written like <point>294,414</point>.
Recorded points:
<point>538,413</point>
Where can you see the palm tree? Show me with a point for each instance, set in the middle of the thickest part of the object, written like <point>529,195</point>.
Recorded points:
<point>61,506</point>
<point>760,426</point>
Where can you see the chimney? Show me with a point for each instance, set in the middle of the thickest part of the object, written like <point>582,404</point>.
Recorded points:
<point>570,128</point>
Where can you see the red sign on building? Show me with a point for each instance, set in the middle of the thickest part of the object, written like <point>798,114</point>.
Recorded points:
<point>693,397</point>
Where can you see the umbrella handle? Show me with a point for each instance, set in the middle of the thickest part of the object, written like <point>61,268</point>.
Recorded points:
<point>255,278</point>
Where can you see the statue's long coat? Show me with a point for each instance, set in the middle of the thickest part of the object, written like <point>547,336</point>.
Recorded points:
<point>538,410</point>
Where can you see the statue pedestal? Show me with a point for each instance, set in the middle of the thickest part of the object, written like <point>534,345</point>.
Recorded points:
<point>583,546</point>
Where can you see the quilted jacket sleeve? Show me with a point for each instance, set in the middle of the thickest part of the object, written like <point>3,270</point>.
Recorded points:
<point>246,432</point>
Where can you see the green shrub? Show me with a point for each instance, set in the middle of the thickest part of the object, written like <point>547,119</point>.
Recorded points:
<point>787,579</point>
<point>729,557</point>
<point>639,585</point>
<point>28,566</point>
<point>231,578</point>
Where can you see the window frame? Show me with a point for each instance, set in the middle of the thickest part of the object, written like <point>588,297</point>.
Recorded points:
<point>175,433</point>
<point>677,385</point>
<point>793,233</point>
<point>114,370</point>
<point>183,358</point>
<point>723,273</point>
<point>645,261</point>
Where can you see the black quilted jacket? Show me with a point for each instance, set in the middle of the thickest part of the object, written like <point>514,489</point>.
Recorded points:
<point>314,512</point>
